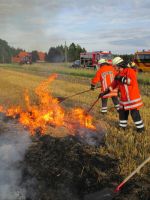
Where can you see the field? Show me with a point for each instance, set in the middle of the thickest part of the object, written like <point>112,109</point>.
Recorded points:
<point>127,147</point>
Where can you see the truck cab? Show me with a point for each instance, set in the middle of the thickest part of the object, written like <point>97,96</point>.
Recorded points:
<point>142,60</point>
<point>90,59</point>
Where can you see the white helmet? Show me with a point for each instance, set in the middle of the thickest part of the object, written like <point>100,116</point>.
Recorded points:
<point>102,61</point>
<point>131,64</point>
<point>117,60</point>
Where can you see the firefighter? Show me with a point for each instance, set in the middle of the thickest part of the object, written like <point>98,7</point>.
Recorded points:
<point>130,98</point>
<point>132,65</point>
<point>105,75</point>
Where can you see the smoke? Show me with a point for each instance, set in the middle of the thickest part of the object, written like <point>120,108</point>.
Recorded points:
<point>14,141</point>
<point>91,137</point>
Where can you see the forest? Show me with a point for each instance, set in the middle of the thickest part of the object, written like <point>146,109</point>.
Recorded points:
<point>56,54</point>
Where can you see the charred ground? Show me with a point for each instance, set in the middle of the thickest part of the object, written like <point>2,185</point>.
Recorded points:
<point>65,169</point>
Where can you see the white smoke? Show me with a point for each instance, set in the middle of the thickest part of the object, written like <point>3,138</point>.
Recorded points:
<point>91,137</point>
<point>14,141</point>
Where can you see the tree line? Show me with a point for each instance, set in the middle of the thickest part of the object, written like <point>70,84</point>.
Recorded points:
<point>6,52</point>
<point>55,54</point>
<point>64,53</point>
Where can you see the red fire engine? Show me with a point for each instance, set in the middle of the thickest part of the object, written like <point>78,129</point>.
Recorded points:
<point>90,59</point>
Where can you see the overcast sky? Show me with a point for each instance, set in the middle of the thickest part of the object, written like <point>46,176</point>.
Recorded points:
<point>122,26</point>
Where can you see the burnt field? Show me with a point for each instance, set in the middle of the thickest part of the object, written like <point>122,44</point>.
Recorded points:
<point>55,151</point>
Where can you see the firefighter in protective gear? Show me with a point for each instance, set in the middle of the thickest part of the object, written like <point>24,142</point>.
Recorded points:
<point>130,98</point>
<point>132,65</point>
<point>101,61</point>
<point>116,61</point>
<point>105,75</point>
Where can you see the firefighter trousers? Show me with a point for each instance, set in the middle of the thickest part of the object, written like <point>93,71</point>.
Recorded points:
<point>104,104</point>
<point>135,114</point>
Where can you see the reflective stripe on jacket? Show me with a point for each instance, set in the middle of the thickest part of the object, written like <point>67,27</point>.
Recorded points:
<point>130,97</point>
<point>105,75</point>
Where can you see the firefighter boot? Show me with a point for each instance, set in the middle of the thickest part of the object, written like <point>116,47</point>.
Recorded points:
<point>104,110</point>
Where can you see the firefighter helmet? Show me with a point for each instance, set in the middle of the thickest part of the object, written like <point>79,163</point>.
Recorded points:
<point>117,60</point>
<point>133,64</point>
<point>102,61</point>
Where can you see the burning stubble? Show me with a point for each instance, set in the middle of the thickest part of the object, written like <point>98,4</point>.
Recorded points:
<point>14,140</point>
<point>48,112</point>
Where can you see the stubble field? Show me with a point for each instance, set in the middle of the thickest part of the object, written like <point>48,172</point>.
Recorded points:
<point>127,147</point>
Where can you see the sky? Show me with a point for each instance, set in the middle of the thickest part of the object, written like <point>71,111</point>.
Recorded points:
<point>120,26</point>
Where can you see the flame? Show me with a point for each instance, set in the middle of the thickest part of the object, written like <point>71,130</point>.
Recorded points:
<point>13,111</point>
<point>83,118</point>
<point>47,111</point>
<point>1,108</point>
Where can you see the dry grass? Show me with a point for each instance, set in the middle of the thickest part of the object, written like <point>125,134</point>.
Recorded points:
<point>129,147</point>
<point>47,68</point>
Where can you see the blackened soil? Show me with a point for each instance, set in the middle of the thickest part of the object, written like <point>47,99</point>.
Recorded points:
<point>66,169</point>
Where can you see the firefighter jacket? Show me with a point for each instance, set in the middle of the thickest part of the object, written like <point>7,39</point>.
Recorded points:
<point>130,97</point>
<point>105,75</point>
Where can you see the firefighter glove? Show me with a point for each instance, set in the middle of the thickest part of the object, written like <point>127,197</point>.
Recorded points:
<point>104,93</point>
<point>122,79</point>
<point>118,78</point>
<point>101,95</point>
<point>92,87</point>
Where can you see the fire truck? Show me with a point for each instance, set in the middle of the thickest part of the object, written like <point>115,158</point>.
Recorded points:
<point>90,59</point>
<point>142,60</point>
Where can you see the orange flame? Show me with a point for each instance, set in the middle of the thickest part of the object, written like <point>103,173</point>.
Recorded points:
<point>13,111</point>
<point>1,108</point>
<point>47,111</point>
<point>83,118</point>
